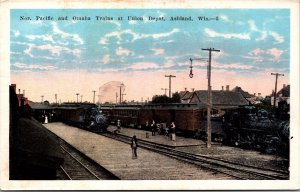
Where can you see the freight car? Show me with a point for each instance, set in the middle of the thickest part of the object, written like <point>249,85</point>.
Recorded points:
<point>187,117</point>
<point>87,116</point>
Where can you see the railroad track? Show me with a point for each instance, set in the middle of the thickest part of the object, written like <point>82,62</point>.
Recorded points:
<point>77,166</point>
<point>233,169</point>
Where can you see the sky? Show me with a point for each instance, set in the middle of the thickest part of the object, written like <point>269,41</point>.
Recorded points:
<point>66,57</point>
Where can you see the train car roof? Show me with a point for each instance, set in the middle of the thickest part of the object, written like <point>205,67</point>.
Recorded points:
<point>69,108</point>
<point>36,105</point>
<point>157,106</point>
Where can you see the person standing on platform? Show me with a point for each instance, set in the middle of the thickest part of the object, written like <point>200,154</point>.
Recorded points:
<point>119,126</point>
<point>134,146</point>
<point>172,130</point>
<point>147,126</point>
<point>46,119</point>
<point>153,128</point>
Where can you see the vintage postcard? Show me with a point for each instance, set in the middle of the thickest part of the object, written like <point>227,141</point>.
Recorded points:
<point>124,95</point>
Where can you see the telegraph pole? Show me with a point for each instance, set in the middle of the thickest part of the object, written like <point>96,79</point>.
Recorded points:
<point>165,89</point>
<point>99,99</point>
<point>94,96</point>
<point>170,76</point>
<point>56,98</point>
<point>116,97</point>
<point>123,96</point>
<point>208,144</point>
<point>77,96</point>
<point>121,92</point>
<point>276,74</point>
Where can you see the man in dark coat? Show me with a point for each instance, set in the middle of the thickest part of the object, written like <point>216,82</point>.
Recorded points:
<point>134,146</point>
<point>153,128</point>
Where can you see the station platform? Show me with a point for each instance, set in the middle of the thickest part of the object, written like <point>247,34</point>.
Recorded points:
<point>116,157</point>
<point>217,150</point>
<point>160,139</point>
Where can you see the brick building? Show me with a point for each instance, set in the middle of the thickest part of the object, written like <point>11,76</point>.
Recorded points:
<point>21,96</point>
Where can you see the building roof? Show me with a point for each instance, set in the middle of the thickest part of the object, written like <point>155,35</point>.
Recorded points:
<point>223,98</point>
<point>188,95</point>
<point>182,93</point>
<point>244,93</point>
<point>284,92</point>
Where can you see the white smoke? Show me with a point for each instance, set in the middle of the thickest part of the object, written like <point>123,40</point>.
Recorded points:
<point>108,92</point>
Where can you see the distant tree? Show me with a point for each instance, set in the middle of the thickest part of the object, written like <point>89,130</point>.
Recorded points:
<point>160,99</point>
<point>176,98</point>
<point>163,99</point>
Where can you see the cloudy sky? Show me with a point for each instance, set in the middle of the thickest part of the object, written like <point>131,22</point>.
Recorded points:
<point>72,56</point>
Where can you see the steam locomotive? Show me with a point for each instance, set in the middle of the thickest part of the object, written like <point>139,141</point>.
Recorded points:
<point>83,115</point>
<point>255,128</point>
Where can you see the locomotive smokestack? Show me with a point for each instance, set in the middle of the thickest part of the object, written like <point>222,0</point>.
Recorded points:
<point>185,89</point>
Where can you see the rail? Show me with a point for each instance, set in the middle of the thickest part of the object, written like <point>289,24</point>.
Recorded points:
<point>236,170</point>
<point>77,172</point>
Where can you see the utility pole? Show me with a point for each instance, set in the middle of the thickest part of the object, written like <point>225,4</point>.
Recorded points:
<point>165,89</point>
<point>55,98</point>
<point>116,97</point>
<point>99,99</point>
<point>94,96</point>
<point>121,92</point>
<point>77,96</point>
<point>209,100</point>
<point>123,96</point>
<point>170,76</point>
<point>276,74</point>
<point>41,97</point>
<point>208,144</point>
